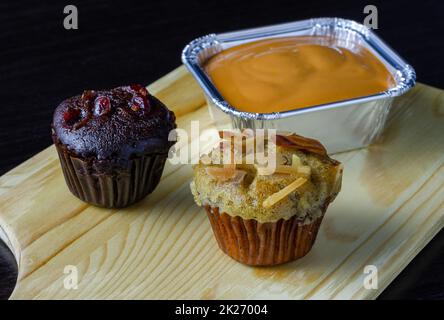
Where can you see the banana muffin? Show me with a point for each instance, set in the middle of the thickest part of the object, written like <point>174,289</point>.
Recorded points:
<point>261,215</point>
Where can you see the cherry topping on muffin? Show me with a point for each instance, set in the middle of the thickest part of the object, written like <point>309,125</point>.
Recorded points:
<point>88,95</point>
<point>71,116</point>
<point>87,99</point>
<point>75,118</point>
<point>138,103</point>
<point>102,106</point>
<point>140,99</point>
<point>139,89</point>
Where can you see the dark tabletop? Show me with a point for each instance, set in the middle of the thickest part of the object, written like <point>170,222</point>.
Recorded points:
<point>125,42</point>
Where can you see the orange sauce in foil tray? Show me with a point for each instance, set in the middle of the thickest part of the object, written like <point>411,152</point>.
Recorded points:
<point>282,74</point>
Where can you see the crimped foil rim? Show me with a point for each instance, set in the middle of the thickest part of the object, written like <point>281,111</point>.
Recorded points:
<point>405,72</point>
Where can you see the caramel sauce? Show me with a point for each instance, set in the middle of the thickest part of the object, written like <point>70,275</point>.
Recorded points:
<point>282,74</point>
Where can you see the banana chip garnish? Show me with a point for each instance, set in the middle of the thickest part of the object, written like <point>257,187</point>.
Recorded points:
<point>278,196</point>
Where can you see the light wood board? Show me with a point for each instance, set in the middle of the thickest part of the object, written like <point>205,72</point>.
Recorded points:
<point>391,205</point>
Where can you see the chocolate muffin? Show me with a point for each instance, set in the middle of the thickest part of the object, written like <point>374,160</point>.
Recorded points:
<point>264,217</point>
<point>112,144</point>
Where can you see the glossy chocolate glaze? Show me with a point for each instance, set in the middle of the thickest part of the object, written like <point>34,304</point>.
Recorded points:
<point>116,124</point>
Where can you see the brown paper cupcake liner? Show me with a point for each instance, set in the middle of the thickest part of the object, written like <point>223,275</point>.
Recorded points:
<point>262,244</point>
<point>117,189</point>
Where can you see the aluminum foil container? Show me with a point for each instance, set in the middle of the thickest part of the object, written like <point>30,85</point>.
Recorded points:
<point>340,126</point>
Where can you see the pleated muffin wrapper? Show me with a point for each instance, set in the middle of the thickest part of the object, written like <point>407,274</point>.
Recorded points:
<point>112,187</point>
<point>263,244</point>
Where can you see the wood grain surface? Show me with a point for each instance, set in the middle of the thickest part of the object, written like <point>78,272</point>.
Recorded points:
<point>391,205</point>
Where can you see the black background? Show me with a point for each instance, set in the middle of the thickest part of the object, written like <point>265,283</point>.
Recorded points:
<point>125,42</point>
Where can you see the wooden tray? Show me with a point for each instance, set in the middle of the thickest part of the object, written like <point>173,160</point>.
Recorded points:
<point>391,205</point>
